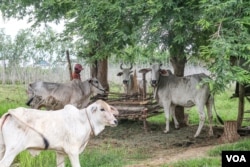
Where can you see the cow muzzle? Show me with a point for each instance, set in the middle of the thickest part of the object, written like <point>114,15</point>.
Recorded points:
<point>114,123</point>
<point>153,83</point>
<point>125,82</point>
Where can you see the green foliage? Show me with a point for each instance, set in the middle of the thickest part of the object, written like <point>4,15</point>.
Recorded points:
<point>28,47</point>
<point>230,37</point>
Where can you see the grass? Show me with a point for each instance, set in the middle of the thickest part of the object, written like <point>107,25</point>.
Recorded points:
<point>202,162</point>
<point>243,145</point>
<point>104,156</point>
<point>107,155</point>
<point>12,96</point>
<point>213,158</point>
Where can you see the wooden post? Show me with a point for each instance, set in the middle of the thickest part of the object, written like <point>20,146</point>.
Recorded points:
<point>144,91</point>
<point>69,64</point>
<point>230,132</point>
<point>144,86</point>
<point>241,105</point>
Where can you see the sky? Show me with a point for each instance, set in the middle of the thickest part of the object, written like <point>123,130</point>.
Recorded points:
<point>12,26</point>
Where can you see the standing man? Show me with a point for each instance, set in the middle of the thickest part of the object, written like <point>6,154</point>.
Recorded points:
<point>77,70</point>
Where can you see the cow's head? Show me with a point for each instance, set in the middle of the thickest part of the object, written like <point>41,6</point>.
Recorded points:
<point>103,113</point>
<point>96,87</point>
<point>125,73</point>
<point>156,71</point>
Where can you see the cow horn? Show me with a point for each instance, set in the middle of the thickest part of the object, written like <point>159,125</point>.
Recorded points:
<point>131,66</point>
<point>121,66</point>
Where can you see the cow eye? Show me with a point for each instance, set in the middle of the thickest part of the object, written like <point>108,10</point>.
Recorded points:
<point>96,82</point>
<point>102,109</point>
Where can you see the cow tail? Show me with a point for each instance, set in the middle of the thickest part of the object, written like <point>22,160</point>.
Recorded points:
<point>29,101</point>
<point>217,115</point>
<point>3,119</point>
<point>46,142</point>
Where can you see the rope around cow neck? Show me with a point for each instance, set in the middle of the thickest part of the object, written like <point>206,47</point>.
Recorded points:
<point>96,87</point>
<point>90,123</point>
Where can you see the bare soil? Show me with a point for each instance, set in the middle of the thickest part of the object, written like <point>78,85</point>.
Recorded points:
<point>162,148</point>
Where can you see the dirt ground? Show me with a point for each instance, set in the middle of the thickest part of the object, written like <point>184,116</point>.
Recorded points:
<point>162,148</point>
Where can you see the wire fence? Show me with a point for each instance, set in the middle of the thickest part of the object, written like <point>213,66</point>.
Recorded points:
<point>26,75</point>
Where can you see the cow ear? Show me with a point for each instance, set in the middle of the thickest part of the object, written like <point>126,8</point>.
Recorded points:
<point>93,109</point>
<point>114,111</point>
<point>164,72</point>
<point>145,70</point>
<point>120,74</point>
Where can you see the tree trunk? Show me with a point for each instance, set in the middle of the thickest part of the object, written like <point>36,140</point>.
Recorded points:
<point>69,65</point>
<point>241,105</point>
<point>102,73</point>
<point>99,69</point>
<point>93,69</point>
<point>178,63</point>
<point>230,132</point>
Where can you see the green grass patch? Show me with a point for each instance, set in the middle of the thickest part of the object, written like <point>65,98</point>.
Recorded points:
<point>243,145</point>
<point>12,96</point>
<point>45,158</point>
<point>202,162</point>
<point>213,158</point>
<point>103,156</point>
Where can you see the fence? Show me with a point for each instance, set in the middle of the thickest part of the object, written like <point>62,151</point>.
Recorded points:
<point>26,75</point>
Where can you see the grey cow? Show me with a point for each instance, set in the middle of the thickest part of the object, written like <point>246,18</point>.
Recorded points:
<point>187,91</point>
<point>54,96</point>
<point>132,84</point>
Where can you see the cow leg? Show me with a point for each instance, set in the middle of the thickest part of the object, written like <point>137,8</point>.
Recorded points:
<point>74,159</point>
<point>209,106</point>
<point>202,117</point>
<point>176,123</point>
<point>60,159</point>
<point>10,154</point>
<point>2,149</point>
<point>2,145</point>
<point>167,112</point>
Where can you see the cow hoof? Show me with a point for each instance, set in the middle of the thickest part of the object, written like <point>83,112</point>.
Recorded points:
<point>210,135</point>
<point>166,131</point>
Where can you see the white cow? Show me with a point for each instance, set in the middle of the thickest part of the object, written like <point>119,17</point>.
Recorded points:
<point>67,131</point>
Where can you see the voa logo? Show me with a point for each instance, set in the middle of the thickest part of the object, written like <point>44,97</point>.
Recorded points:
<point>233,158</point>
<point>236,158</point>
